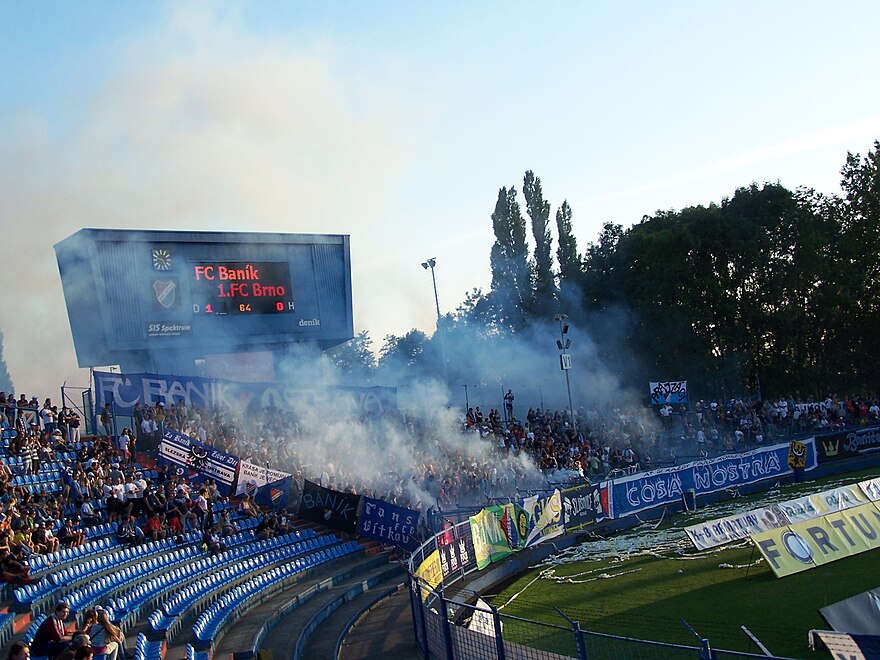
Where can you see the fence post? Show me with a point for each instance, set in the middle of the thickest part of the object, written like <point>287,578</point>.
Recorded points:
<point>499,633</point>
<point>447,631</point>
<point>579,640</point>
<point>706,650</point>
<point>415,587</point>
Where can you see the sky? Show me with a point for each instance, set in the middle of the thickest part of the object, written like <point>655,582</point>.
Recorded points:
<point>397,123</point>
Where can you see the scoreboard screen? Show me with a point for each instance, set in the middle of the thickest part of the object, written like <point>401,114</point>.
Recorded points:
<point>247,287</point>
<point>150,299</point>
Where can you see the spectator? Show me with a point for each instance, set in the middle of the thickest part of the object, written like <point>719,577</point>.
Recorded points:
<point>106,637</point>
<point>124,445</point>
<point>246,508</point>
<point>79,641</point>
<point>155,529</point>
<point>87,513</point>
<point>128,532</point>
<point>69,535</point>
<point>19,651</point>
<point>106,419</point>
<point>212,542</point>
<point>52,637</point>
<point>508,404</point>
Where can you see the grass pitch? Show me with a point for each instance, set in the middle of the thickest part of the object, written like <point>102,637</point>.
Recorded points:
<point>644,582</point>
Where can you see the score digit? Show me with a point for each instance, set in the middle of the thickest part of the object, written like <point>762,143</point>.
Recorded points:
<point>279,306</point>
<point>244,308</point>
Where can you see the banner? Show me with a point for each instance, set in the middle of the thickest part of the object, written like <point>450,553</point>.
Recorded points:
<point>717,532</point>
<point>848,443</point>
<point>275,494</point>
<point>797,455</point>
<point>871,488</point>
<point>516,524</point>
<point>859,614</point>
<point>581,506</point>
<point>490,541</point>
<point>671,391</point>
<point>329,507</point>
<point>196,461</point>
<point>545,517</point>
<point>124,391</point>
<point>644,491</point>
<point>458,553</point>
<point>388,523</point>
<point>749,523</point>
<point>251,477</point>
<point>430,571</point>
<point>802,546</point>
<point>812,506</point>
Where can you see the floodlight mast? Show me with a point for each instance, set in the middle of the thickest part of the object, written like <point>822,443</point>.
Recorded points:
<point>430,263</point>
<point>563,344</point>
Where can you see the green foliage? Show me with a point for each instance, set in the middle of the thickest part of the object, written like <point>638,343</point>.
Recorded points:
<point>566,253</point>
<point>511,275</point>
<point>355,357</point>
<point>539,211</point>
<point>771,291</point>
<point>410,350</point>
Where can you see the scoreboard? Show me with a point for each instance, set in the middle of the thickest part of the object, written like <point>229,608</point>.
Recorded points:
<point>242,288</point>
<point>135,295</point>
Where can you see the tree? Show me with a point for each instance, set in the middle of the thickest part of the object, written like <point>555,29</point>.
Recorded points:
<point>539,212</point>
<point>858,213</point>
<point>511,276</point>
<point>602,274</point>
<point>409,350</point>
<point>566,253</point>
<point>355,357</point>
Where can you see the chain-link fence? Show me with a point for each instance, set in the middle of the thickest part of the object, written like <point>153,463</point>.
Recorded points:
<point>448,629</point>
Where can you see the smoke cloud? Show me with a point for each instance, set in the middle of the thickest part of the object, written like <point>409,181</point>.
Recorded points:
<point>200,126</point>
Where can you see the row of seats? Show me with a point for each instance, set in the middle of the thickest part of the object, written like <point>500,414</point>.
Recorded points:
<point>192,654</point>
<point>148,563</point>
<point>62,460</point>
<point>82,568</point>
<point>147,650</point>
<point>102,587</point>
<point>32,629</point>
<point>129,603</point>
<point>41,477</point>
<point>7,623</point>
<point>31,595</point>
<point>213,619</point>
<point>75,553</point>
<point>167,618</point>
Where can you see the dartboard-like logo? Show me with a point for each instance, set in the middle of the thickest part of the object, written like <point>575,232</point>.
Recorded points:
<point>797,547</point>
<point>161,259</point>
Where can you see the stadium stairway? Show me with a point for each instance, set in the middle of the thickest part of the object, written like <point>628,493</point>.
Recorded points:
<point>285,622</point>
<point>384,631</point>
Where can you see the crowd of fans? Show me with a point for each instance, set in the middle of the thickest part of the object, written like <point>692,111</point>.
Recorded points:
<point>53,487</point>
<point>485,457</point>
<point>480,457</point>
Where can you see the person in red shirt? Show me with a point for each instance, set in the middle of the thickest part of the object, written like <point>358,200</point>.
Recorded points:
<point>52,637</point>
<point>154,530</point>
